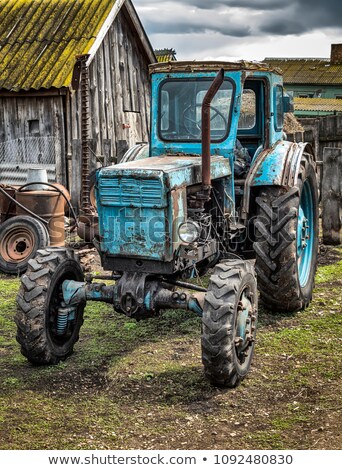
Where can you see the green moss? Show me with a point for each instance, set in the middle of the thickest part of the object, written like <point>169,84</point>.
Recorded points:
<point>268,440</point>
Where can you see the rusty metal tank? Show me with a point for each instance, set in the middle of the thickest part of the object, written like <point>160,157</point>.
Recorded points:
<point>7,208</point>
<point>50,205</point>
<point>66,194</point>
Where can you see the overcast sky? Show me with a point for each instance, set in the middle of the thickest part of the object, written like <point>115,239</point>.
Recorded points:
<point>242,29</point>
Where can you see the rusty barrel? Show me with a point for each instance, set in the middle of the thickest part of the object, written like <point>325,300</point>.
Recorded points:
<point>50,206</point>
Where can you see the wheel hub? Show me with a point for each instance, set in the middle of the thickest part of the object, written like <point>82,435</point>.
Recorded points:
<point>305,235</point>
<point>303,232</point>
<point>16,246</point>
<point>245,326</point>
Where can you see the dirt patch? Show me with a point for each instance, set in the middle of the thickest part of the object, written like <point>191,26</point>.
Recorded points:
<point>328,255</point>
<point>68,382</point>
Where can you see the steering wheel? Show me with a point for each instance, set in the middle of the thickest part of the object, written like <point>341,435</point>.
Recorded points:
<point>187,119</point>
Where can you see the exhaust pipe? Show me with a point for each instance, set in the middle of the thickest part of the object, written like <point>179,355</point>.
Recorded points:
<point>206,132</point>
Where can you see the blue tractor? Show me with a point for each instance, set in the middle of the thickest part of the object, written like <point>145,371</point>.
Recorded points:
<point>222,192</point>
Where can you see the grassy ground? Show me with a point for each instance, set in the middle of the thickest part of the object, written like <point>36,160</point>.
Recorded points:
<point>141,385</point>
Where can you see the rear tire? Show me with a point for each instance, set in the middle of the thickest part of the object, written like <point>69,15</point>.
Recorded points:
<point>287,241</point>
<point>20,238</point>
<point>38,301</point>
<point>229,323</point>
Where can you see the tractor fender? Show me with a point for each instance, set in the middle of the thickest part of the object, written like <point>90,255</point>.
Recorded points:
<point>279,165</point>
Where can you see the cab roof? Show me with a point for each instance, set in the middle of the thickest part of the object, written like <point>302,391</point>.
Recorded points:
<point>212,66</point>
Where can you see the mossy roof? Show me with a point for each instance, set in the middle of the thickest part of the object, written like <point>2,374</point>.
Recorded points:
<point>165,55</point>
<point>39,40</point>
<point>318,104</point>
<point>308,71</point>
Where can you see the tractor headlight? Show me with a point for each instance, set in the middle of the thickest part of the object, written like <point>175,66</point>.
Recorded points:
<point>189,232</point>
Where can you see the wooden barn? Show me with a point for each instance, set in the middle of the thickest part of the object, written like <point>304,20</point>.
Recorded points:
<point>40,105</point>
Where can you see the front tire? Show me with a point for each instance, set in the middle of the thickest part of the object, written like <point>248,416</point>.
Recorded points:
<point>46,337</point>
<point>287,241</point>
<point>229,323</point>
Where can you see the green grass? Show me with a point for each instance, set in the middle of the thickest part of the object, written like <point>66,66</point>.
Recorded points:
<point>141,385</point>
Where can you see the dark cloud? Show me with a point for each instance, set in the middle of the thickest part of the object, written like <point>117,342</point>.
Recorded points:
<point>253,17</point>
<point>282,28</point>
<point>214,4</point>
<point>304,16</point>
<point>253,4</point>
<point>185,27</point>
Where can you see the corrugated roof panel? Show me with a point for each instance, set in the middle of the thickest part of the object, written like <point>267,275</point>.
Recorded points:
<point>165,58</point>
<point>308,71</point>
<point>57,71</point>
<point>40,39</point>
<point>12,21</point>
<point>165,55</point>
<point>318,104</point>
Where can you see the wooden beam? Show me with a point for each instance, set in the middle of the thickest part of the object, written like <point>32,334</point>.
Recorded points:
<point>33,93</point>
<point>141,32</point>
<point>332,195</point>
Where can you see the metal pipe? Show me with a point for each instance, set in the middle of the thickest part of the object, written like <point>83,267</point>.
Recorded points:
<point>23,207</point>
<point>185,285</point>
<point>206,134</point>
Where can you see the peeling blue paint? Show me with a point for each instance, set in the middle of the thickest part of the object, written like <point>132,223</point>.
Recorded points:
<point>138,215</point>
<point>277,166</point>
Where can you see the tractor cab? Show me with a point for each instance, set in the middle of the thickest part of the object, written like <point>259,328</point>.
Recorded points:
<point>246,113</point>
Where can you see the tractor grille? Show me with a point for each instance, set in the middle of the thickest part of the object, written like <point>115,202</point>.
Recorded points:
<point>131,192</point>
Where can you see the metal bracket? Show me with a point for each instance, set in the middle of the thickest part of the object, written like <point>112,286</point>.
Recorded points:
<point>130,292</point>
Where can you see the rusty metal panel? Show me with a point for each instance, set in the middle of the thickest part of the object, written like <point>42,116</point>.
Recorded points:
<point>211,66</point>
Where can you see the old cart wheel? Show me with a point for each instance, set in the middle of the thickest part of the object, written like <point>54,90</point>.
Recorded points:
<point>287,241</point>
<point>229,323</point>
<point>20,238</point>
<point>46,331</point>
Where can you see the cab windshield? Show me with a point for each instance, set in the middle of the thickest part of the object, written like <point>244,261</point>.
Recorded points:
<point>180,112</point>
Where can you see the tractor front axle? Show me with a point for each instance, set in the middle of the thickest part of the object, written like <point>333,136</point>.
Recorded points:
<point>132,295</point>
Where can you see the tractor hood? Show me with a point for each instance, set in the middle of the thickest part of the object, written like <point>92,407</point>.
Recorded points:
<point>176,171</point>
<point>142,203</point>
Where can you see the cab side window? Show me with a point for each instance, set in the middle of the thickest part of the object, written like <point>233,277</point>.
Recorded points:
<point>279,108</point>
<point>248,110</point>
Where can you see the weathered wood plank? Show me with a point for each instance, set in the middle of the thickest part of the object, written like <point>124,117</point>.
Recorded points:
<point>107,152</point>
<point>11,120</point>
<point>109,93</point>
<point>59,140</point>
<point>2,120</point>
<point>102,105</point>
<point>121,132</point>
<point>114,87</point>
<point>75,189</point>
<point>332,196</point>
